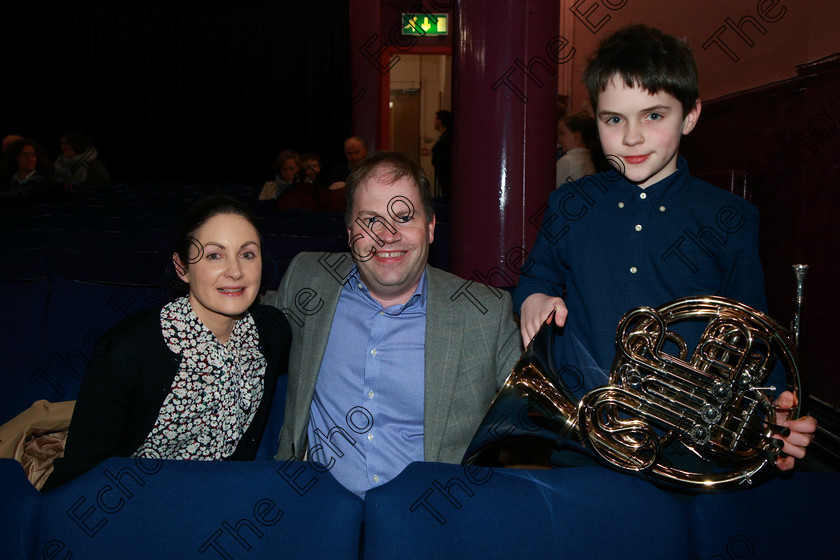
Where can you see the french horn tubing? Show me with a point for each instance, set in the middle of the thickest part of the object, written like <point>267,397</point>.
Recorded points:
<point>699,422</point>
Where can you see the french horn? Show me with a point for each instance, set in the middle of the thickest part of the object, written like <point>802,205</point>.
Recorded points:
<point>699,422</point>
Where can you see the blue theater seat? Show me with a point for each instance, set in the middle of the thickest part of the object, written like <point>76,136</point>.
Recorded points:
<point>29,264</point>
<point>78,314</point>
<point>268,445</point>
<point>434,510</point>
<point>22,323</point>
<point>129,268</point>
<point>24,305</point>
<point>127,508</point>
<point>794,517</point>
<point>98,241</point>
<point>25,238</point>
<point>19,510</point>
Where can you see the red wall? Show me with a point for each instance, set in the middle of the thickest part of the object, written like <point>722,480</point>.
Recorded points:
<point>804,30</point>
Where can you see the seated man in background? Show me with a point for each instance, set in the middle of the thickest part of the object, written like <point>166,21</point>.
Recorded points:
<point>354,151</point>
<point>394,361</point>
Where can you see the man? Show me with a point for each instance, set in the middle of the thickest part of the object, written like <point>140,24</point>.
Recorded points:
<point>393,361</point>
<point>354,152</point>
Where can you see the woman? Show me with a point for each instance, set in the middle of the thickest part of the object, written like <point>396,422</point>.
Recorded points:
<point>195,379</point>
<point>577,134</point>
<point>25,163</point>
<point>287,168</point>
<point>79,162</point>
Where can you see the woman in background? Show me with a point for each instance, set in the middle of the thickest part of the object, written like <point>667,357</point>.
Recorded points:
<point>288,169</point>
<point>25,163</point>
<point>195,379</point>
<point>576,135</point>
<point>79,162</point>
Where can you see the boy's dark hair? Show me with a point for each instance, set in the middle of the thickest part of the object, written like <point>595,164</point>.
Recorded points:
<point>644,57</point>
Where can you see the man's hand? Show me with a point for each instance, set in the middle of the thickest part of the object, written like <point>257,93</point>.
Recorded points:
<point>801,431</point>
<point>534,312</point>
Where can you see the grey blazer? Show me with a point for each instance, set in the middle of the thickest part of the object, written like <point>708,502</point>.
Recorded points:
<point>472,344</point>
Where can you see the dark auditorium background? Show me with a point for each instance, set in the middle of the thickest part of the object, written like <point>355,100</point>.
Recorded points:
<point>181,91</point>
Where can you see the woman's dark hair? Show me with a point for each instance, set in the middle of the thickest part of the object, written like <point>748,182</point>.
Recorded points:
<point>198,214</point>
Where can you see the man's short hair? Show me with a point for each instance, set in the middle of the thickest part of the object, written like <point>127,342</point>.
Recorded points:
<point>391,167</point>
<point>445,118</point>
<point>647,58</point>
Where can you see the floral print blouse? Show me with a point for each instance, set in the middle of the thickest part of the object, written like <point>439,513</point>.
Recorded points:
<point>214,395</point>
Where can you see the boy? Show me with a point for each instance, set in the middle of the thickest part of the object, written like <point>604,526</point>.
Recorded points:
<point>647,232</point>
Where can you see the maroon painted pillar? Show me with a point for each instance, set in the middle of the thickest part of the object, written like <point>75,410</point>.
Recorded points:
<point>505,64</point>
<point>366,68</point>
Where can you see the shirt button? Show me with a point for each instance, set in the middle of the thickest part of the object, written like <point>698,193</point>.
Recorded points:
<point>373,352</point>
<point>661,208</point>
<point>370,436</point>
<point>633,270</point>
<point>638,227</point>
<point>621,205</point>
<point>376,478</point>
<point>643,196</point>
<point>382,313</point>
<point>370,394</point>
<point>360,286</point>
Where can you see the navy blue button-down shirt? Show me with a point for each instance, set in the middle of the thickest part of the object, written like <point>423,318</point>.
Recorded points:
<point>607,246</point>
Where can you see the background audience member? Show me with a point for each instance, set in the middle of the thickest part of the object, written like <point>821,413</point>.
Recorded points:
<point>287,167</point>
<point>79,162</point>
<point>24,163</point>
<point>311,168</point>
<point>442,152</point>
<point>354,152</point>
<point>576,134</point>
<point>195,379</point>
<point>561,113</point>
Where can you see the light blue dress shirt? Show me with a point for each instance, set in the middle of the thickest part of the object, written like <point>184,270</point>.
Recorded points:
<point>366,418</point>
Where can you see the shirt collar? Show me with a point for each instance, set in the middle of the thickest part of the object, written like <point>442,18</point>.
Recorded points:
<point>666,191</point>
<point>416,303</point>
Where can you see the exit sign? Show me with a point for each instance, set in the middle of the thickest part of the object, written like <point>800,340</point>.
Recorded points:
<point>424,24</point>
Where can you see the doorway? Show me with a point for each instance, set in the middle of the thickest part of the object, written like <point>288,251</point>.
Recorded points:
<point>419,86</point>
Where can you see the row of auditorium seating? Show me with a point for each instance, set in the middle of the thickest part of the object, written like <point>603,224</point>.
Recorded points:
<point>132,508</point>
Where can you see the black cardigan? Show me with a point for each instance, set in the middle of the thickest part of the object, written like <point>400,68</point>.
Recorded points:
<point>130,374</point>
